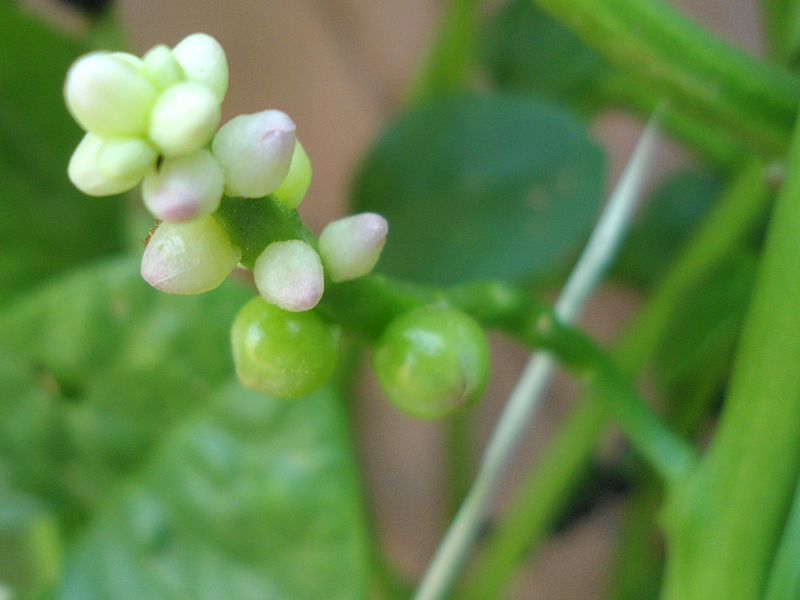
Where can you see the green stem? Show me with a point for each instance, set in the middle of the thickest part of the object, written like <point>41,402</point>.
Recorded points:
<point>782,20</point>
<point>695,71</point>
<point>548,485</point>
<point>458,453</point>
<point>711,143</point>
<point>445,69</point>
<point>639,557</point>
<point>668,454</point>
<point>547,330</point>
<point>772,12</point>
<point>784,578</point>
<point>724,524</point>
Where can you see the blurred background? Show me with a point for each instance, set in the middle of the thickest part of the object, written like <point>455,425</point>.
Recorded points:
<point>340,69</point>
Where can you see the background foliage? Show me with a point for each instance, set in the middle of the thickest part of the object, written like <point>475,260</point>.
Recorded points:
<point>133,465</point>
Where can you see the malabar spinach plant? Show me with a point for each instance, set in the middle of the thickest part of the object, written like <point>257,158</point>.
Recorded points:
<point>191,438</point>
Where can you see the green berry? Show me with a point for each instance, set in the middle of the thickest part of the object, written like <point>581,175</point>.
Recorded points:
<point>432,361</point>
<point>283,354</point>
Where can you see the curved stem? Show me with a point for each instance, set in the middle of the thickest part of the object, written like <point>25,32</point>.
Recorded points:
<point>697,72</point>
<point>549,482</point>
<point>524,399</point>
<point>724,524</point>
<point>445,69</point>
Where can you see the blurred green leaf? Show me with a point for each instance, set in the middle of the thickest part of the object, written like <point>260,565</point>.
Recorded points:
<point>253,498</point>
<point>30,551</point>
<point>670,213</point>
<point>110,418</point>
<point>46,225</point>
<point>103,366</point>
<point>481,186</point>
<point>525,50</point>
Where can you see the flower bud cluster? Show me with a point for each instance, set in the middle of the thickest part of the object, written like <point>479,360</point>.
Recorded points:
<point>153,120</point>
<point>136,111</point>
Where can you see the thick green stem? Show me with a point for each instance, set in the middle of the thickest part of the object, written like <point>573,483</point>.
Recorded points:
<point>695,71</point>
<point>548,485</point>
<point>784,578</point>
<point>709,142</point>
<point>782,20</point>
<point>723,525</point>
<point>667,453</point>
<point>639,558</point>
<point>445,68</point>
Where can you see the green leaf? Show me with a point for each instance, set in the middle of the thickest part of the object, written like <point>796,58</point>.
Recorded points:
<point>525,50</point>
<point>30,551</point>
<point>669,215</point>
<point>111,417</point>
<point>46,225</point>
<point>481,186</point>
<point>784,577</point>
<point>103,366</point>
<point>253,498</point>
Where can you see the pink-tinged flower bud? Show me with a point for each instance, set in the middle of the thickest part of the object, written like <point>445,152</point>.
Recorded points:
<point>189,258</point>
<point>203,60</point>
<point>109,95</point>
<point>289,274</point>
<point>294,187</point>
<point>184,118</point>
<point>350,247</point>
<point>255,152</point>
<point>184,188</point>
<point>161,67</point>
<point>100,167</point>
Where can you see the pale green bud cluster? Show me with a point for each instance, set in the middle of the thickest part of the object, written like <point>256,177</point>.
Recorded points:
<point>137,111</point>
<point>153,120</point>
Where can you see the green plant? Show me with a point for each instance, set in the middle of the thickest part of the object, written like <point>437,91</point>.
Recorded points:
<point>135,464</point>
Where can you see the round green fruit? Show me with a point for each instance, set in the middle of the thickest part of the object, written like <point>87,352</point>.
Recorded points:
<point>432,361</point>
<point>283,354</point>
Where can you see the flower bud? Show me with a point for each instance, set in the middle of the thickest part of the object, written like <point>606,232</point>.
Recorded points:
<point>294,187</point>
<point>189,258</point>
<point>255,152</point>
<point>108,95</point>
<point>203,60</point>
<point>160,66</point>
<point>184,118</point>
<point>350,247</point>
<point>184,188</point>
<point>289,274</point>
<point>100,167</point>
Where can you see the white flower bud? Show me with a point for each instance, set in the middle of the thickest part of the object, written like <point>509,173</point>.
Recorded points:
<point>350,247</point>
<point>289,274</point>
<point>189,258</point>
<point>203,61</point>
<point>255,152</point>
<point>294,187</point>
<point>100,167</point>
<point>108,95</point>
<point>184,118</point>
<point>161,67</point>
<point>184,188</point>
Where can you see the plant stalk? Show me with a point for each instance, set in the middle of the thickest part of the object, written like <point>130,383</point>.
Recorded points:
<point>723,525</point>
<point>697,72</point>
